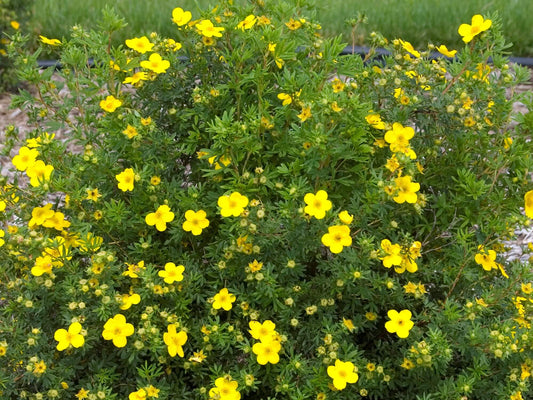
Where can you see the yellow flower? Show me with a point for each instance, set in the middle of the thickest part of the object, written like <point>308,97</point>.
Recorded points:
<point>479,24</point>
<point>342,373</point>
<point>442,49</point>
<point>266,123</point>
<point>223,159</point>
<point>160,217</point>
<point>263,20</point>
<point>285,98</point>
<point>82,394</point>
<point>208,41</point>
<point>51,42</point>
<point>15,25</point>
<point>348,323</point>
<point>137,395</point>
<point>223,299</point>
<point>56,221</point>
<point>172,273</point>
<point>400,322</point>
<point>93,195</point>
<point>409,48</point>
<point>140,45</point>
<point>128,300</point>
<point>195,222</point>
<point>507,142</point>
<point>267,351</point>
<point>180,17</point>
<point>528,204</point>
<point>335,107</point>
<point>174,341</point>
<point>255,266</point>
<point>407,364</point>
<point>225,389</point>
<point>110,104</point>
<point>371,316</point>
<point>232,205</point>
<point>39,368</point>
<point>516,396</point>
<point>136,78</point>
<point>374,120</point>
<point>526,372</point>
<point>392,163</point>
<point>155,180</point>
<point>527,288</point>
<point>39,172</point>
<point>338,85</point>
<point>97,268</point>
<point>406,190</point>
<point>262,331</point>
<point>317,204</point>
<point>117,330</point>
<point>345,217</point>
<point>293,24</point>
<point>337,238</point>
<point>482,74</point>
<point>198,356</point>
<point>152,391</point>
<point>398,139</point>
<point>404,100</point>
<point>393,251</point>
<point>126,179</point>
<point>72,337</point>
<point>156,64</point>
<point>25,158</point>
<point>469,122</point>
<point>130,132</point>
<point>2,234</point>
<point>207,29</point>
<point>305,114</point>
<point>487,259</point>
<point>146,121</point>
<point>247,23</point>
<point>40,214</point>
<point>133,269</point>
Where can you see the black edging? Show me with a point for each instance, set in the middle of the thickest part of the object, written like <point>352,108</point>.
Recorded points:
<point>377,54</point>
<point>380,54</point>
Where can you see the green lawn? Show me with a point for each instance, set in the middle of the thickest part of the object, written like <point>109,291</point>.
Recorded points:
<point>418,21</point>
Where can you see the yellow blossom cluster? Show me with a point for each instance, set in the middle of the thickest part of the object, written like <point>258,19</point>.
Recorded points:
<point>269,345</point>
<point>400,257</point>
<point>38,172</point>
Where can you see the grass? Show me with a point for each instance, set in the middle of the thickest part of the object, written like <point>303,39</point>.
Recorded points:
<point>418,21</point>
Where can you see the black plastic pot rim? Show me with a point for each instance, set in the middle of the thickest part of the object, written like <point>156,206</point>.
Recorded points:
<point>362,51</point>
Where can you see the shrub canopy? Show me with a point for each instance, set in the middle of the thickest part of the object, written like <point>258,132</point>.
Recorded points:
<point>240,212</point>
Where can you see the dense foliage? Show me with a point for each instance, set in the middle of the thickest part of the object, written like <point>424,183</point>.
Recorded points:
<point>13,13</point>
<point>239,212</point>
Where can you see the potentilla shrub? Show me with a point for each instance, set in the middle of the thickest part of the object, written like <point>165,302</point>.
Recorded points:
<point>238,212</point>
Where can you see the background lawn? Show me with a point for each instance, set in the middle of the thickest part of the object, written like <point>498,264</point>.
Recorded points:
<point>418,21</point>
